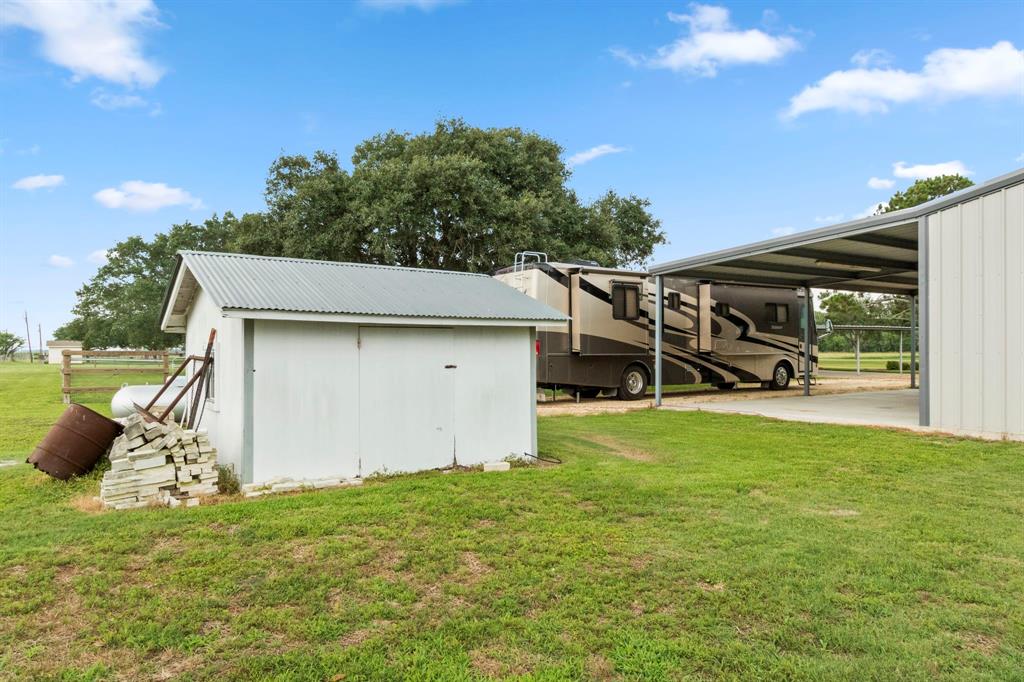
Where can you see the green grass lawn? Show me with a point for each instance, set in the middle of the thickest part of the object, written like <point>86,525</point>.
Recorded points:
<point>668,545</point>
<point>869,362</point>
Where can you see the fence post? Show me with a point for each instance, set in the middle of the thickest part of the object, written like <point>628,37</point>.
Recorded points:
<point>65,375</point>
<point>167,365</point>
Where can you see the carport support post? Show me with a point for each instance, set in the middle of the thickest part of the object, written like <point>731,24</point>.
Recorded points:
<point>856,349</point>
<point>913,342</point>
<point>659,314</point>
<point>809,307</point>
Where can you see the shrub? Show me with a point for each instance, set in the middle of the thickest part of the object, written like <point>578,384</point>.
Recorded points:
<point>895,365</point>
<point>227,481</point>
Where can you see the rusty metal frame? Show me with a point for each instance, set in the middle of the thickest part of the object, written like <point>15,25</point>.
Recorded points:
<point>198,376</point>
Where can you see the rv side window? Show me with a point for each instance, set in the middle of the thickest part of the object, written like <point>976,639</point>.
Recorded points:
<point>723,309</point>
<point>674,301</point>
<point>625,302</point>
<point>778,313</point>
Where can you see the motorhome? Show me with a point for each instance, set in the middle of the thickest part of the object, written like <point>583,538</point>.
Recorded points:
<point>715,333</point>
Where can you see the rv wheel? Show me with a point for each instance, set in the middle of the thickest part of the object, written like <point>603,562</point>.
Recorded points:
<point>726,387</point>
<point>634,383</point>
<point>780,377</point>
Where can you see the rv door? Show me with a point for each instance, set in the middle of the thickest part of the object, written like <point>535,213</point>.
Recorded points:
<point>704,318</point>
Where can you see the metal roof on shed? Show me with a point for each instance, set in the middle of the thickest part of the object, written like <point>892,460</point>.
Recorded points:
<point>876,254</point>
<point>239,282</point>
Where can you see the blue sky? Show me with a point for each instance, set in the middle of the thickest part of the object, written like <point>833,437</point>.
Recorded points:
<point>738,121</point>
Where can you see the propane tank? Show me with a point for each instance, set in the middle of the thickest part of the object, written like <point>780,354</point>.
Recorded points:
<point>121,405</point>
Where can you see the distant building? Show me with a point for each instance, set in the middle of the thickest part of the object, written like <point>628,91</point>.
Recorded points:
<point>55,350</point>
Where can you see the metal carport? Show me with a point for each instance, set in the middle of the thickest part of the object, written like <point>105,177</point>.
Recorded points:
<point>888,253</point>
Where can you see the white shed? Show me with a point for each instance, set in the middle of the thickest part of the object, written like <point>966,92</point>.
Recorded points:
<point>55,351</point>
<point>325,369</point>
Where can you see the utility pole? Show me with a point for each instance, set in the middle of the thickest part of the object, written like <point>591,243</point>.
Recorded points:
<point>40,342</point>
<point>28,338</point>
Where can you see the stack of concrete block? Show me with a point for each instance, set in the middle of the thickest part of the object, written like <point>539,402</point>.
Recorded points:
<point>286,485</point>
<point>158,464</point>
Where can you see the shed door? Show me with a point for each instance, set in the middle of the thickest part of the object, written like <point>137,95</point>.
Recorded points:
<point>406,378</point>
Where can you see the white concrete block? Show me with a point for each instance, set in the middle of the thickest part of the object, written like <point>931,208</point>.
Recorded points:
<point>497,466</point>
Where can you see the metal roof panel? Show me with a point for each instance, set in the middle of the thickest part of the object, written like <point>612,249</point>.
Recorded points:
<point>246,282</point>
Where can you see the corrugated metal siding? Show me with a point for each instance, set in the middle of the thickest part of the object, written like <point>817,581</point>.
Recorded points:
<point>976,314</point>
<point>245,282</point>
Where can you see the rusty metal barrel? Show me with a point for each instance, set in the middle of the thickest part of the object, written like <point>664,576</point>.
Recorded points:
<point>74,443</point>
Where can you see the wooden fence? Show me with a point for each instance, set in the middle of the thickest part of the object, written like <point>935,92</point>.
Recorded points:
<point>155,361</point>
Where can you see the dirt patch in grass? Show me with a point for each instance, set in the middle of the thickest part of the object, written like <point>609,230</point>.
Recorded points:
<point>89,504</point>
<point>982,644</point>
<point>357,637</point>
<point>475,569</point>
<point>387,565</point>
<point>835,512</point>
<point>620,448</point>
<point>711,587</point>
<point>171,665</point>
<point>487,663</point>
<point>599,668</point>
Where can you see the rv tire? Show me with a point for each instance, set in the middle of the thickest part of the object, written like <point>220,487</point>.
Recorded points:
<point>728,386</point>
<point>633,385</point>
<point>781,376</point>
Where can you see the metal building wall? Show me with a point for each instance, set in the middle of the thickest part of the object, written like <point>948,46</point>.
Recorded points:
<point>975,292</point>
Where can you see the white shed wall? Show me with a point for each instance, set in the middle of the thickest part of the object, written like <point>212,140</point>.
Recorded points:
<point>305,391</point>
<point>222,416</point>
<point>307,398</point>
<point>976,315</point>
<point>495,392</point>
<point>55,356</point>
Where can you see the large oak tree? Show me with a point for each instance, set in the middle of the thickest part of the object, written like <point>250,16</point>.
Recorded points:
<point>456,198</point>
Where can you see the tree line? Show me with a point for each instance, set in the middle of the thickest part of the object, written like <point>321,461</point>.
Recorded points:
<point>454,198</point>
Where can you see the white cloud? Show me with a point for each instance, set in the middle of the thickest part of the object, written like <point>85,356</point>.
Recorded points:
<point>947,74</point>
<point>588,155</point>
<point>91,39</point>
<point>110,101</point>
<point>422,5</point>
<point>1020,158</point>
<point>60,261</point>
<point>828,219</point>
<point>783,231</point>
<point>34,182</point>
<point>929,170</point>
<point>880,183</point>
<point>136,195</point>
<point>874,57</point>
<point>712,43</point>
<point>99,257</point>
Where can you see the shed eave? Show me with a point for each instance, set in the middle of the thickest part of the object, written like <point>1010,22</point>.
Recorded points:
<point>388,320</point>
